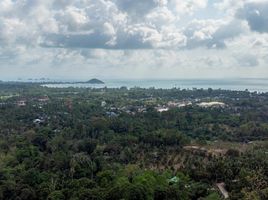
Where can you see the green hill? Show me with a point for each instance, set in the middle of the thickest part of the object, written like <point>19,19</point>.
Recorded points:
<point>95,81</point>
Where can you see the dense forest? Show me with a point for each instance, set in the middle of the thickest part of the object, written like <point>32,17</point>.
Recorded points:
<point>132,144</point>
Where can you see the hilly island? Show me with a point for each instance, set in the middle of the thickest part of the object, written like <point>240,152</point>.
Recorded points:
<point>95,81</point>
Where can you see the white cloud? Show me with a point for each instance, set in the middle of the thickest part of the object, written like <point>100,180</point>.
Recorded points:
<point>160,16</point>
<point>118,24</point>
<point>188,6</point>
<point>6,6</point>
<point>170,34</point>
<point>213,33</point>
<point>256,14</point>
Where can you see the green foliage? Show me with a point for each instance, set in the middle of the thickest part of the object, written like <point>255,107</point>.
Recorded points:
<point>126,149</point>
<point>213,196</point>
<point>56,195</point>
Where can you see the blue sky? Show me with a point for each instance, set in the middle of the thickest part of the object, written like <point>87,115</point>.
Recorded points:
<point>81,39</point>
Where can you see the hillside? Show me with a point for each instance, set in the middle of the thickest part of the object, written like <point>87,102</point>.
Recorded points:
<point>95,81</point>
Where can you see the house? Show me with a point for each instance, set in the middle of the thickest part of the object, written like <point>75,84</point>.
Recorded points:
<point>111,114</point>
<point>161,109</point>
<point>142,110</point>
<point>43,99</point>
<point>38,121</point>
<point>180,104</point>
<point>21,103</point>
<point>212,104</point>
<point>103,103</point>
<point>173,180</point>
<point>223,191</point>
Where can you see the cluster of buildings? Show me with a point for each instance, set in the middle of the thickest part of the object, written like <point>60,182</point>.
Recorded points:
<point>113,111</point>
<point>42,100</point>
<point>205,104</point>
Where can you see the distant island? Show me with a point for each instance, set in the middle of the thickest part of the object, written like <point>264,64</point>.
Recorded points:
<point>95,81</point>
<point>48,81</point>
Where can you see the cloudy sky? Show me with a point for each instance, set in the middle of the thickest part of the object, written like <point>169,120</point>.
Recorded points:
<point>81,39</point>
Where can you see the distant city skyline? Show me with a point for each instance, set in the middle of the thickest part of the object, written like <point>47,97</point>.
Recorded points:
<point>152,39</point>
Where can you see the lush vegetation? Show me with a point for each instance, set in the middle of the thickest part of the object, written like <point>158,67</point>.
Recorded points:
<point>113,144</point>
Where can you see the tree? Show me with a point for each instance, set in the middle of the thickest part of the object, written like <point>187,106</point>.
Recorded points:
<point>56,195</point>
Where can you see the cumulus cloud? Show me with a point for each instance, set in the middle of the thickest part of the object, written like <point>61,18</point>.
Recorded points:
<point>256,14</point>
<point>108,24</point>
<point>213,33</point>
<point>153,33</point>
<point>137,8</point>
<point>247,60</point>
<point>188,6</point>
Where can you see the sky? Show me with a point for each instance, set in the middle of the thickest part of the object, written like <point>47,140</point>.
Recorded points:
<point>127,39</point>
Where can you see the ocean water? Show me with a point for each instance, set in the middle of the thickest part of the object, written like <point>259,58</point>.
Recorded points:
<point>259,85</point>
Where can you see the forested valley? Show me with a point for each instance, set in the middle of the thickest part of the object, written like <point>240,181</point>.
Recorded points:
<point>132,144</point>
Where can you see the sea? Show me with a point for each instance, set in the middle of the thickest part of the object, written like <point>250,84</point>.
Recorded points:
<point>253,85</point>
